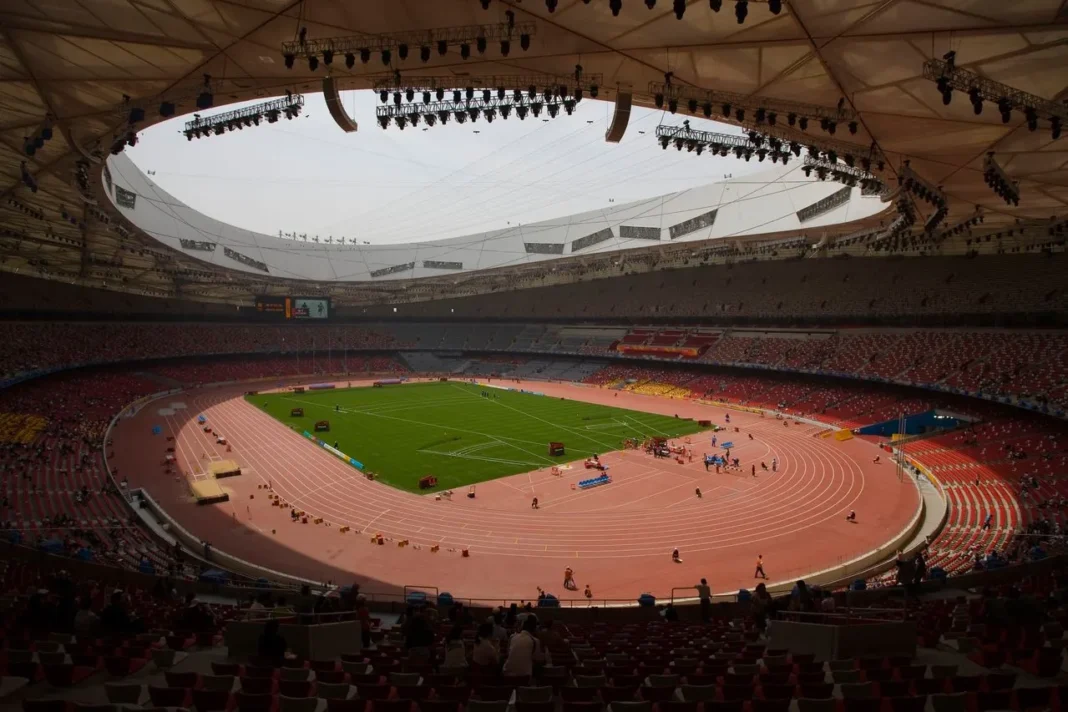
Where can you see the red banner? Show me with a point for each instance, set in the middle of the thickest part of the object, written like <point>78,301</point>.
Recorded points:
<point>684,351</point>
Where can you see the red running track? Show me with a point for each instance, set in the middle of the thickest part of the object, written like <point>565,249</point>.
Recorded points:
<point>617,538</point>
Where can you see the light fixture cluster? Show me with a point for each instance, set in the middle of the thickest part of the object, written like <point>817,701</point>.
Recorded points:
<point>201,94</point>
<point>935,219</point>
<point>743,147</point>
<point>902,224</point>
<point>35,141</point>
<point>98,215</point>
<point>81,177</point>
<point>399,45</point>
<point>1003,187</point>
<point>856,159</point>
<point>289,106</point>
<point>393,87</point>
<point>912,183</point>
<point>868,158</point>
<point>949,78</point>
<point>27,178</point>
<point>750,111</point>
<point>471,104</point>
<point>856,237</point>
<point>21,207</point>
<point>72,219</point>
<point>1057,226</point>
<point>964,226</point>
<point>122,140</point>
<point>741,7</point>
<point>847,175</point>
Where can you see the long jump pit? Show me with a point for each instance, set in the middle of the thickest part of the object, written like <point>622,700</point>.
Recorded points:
<point>618,539</point>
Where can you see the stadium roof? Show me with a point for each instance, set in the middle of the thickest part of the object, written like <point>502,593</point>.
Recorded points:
<point>779,200</point>
<point>76,69</point>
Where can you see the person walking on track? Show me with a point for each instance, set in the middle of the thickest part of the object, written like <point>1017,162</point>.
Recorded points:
<point>760,568</point>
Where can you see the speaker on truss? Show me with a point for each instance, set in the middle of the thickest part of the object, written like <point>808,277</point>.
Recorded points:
<point>620,118</point>
<point>333,105</point>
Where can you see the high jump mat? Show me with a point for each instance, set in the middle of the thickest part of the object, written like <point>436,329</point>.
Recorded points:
<point>225,468</point>
<point>208,491</point>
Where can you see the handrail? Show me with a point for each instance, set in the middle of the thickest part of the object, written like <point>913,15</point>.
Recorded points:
<point>849,614</point>
<point>682,588</point>
<point>416,588</point>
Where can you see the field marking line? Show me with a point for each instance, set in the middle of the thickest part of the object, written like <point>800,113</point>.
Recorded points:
<point>649,496</point>
<point>407,420</point>
<point>501,481</point>
<point>639,476</point>
<point>381,514</point>
<point>396,407</point>
<point>493,440</point>
<point>315,490</point>
<point>498,439</point>
<point>573,431</point>
<point>479,457</point>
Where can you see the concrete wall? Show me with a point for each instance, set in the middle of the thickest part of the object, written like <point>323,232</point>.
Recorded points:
<point>834,642</point>
<point>312,642</point>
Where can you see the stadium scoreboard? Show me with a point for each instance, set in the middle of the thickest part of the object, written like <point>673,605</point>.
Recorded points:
<point>293,308</point>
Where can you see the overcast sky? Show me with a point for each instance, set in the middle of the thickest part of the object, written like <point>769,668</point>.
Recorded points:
<point>385,186</point>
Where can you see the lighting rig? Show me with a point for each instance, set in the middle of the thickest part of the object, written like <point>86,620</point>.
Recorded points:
<point>400,44</point>
<point>1004,187</point>
<point>696,141</point>
<point>822,155</point>
<point>963,226</point>
<point>437,88</point>
<point>27,178</point>
<point>936,219</point>
<point>202,95</point>
<point>471,103</point>
<point>853,238</point>
<point>845,174</point>
<point>98,215</point>
<point>1057,227</point>
<point>870,158</point>
<point>750,111</point>
<point>81,171</point>
<point>912,183</point>
<point>289,106</point>
<point>32,212</point>
<point>948,77</point>
<point>901,225</point>
<point>122,141</point>
<point>31,143</point>
<point>741,7</point>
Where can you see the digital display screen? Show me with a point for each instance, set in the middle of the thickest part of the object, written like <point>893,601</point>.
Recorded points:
<point>317,308</point>
<point>295,308</point>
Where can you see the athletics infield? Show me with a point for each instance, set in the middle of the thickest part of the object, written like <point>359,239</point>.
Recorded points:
<point>618,538</point>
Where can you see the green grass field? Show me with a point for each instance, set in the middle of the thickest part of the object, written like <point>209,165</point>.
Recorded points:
<point>405,432</point>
